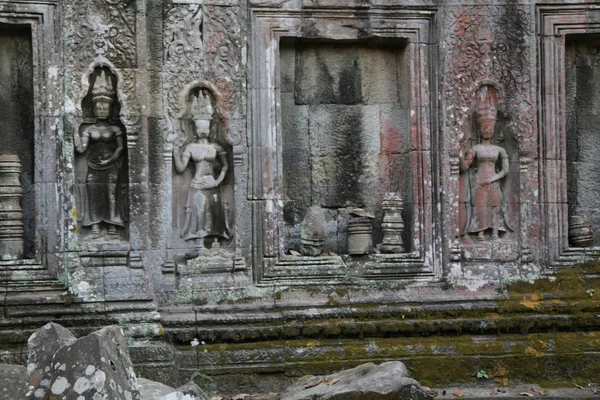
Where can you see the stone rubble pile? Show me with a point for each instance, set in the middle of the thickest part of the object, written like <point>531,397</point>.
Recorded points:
<point>98,367</point>
<point>94,367</point>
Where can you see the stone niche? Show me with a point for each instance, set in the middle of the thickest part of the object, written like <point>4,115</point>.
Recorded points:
<point>569,124</point>
<point>345,110</point>
<point>17,122</point>
<point>340,121</point>
<point>582,82</point>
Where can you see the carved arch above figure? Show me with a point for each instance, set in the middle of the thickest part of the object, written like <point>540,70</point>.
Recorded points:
<point>122,96</point>
<point>221,124</point>
<point>469,120</point>
<point>125,92</point>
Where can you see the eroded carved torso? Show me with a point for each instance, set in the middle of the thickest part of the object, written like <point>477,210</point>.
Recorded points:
<point>102,145</point>
<point>204,156</point>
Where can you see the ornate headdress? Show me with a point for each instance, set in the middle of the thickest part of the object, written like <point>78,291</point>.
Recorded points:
<point>201,109</point>
<point>486,103</point>
<point>103,89</point>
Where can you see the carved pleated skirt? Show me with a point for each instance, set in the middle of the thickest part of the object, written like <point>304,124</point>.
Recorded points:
<point>203,214</point>
<point>487,208</point>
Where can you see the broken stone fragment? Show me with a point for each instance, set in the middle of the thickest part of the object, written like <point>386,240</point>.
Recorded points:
<point>96,366</point>
<point>151,390</point>
<point>313,233</point>
<point>13,380</point>
<point>387,381</point>
<point>189,391</point>
<point>42,345</point>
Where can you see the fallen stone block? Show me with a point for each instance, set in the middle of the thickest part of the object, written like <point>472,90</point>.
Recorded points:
<point>189,391</point>
<point>387,381</point>
<point>151,390</point>
<point>42,345</point>
<point>96,367</point>
<point>13,381</point>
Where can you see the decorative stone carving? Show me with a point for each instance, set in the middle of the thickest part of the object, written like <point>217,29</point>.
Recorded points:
<point>360,232</point>
<point>205,211</point>
<point>313,233</point>
<point>581,231</point>
<point>11,215</point>
<point>223,41</point>
<point>105,28</point>
<point>393,225</point>
<point>103,141</point>
<point>479,50</point>
<point>485,202</point>
<point>183,38</point>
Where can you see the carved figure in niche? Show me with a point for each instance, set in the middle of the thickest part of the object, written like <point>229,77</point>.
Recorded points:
<point>103,141</point>
<point>204,209</point>
<point>486,165</point>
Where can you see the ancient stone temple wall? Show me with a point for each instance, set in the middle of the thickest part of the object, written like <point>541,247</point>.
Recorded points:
<point>246,170</point>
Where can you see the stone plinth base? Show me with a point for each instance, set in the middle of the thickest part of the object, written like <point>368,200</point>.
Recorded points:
<point>299,269</point>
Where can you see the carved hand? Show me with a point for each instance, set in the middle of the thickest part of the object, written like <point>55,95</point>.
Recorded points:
<point>489,181</point>
<point>208,182</point>
<point>469,155</point>
<point>77,141</point>
<point>172,138</point>
<point>467,160</point>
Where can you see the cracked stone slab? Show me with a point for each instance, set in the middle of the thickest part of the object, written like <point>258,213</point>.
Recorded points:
<point>42,345</point>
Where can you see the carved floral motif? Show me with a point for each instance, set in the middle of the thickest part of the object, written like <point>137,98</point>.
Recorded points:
<point>483,49</point>
<point>223,44</point>
<point>183,38</point>
<point>106,28</point>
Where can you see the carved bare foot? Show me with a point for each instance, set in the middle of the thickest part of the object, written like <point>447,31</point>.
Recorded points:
<point>480,236</point>
<point>112,230</point>
<point>495,235</point>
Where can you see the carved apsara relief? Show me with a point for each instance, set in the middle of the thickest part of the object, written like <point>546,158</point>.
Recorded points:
<point>102,167</point>
<point>484,166</point>
<point>483,53</point>
<point>203,195</point>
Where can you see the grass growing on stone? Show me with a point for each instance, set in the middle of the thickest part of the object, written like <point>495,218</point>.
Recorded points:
<point>546,331</point>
